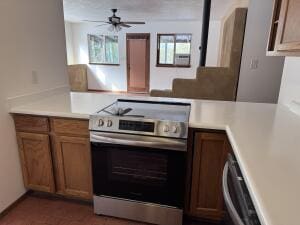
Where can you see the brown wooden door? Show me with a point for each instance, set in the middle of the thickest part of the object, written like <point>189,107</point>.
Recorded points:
<point>210,152</point>
<point>36,161</point>
<point>138,61</point>
<point>74,166</point>
<point>288,35</point>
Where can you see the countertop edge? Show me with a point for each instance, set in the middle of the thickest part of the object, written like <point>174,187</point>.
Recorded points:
<point>51,114</point>
<point>251,187</point>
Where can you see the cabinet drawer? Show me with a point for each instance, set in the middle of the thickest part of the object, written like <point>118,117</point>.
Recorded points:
<point>31,123</point>
<point>70,126</point>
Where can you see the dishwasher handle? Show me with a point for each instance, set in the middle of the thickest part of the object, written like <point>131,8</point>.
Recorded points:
<point>236,219</point>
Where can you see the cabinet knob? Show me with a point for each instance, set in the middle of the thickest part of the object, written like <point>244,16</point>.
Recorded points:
<point>166,128</point>
<point>109,123</point>
<point>100,123</point>
<point>174,129</point>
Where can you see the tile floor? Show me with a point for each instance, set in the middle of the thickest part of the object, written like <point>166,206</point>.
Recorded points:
<point>36,210</point>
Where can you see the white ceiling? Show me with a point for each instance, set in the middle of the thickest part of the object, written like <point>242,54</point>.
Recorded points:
<point>142,10</point>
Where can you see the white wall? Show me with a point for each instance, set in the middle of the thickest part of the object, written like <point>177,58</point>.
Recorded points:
<point>114,77</point>
<point>32,38</point>
<point>261,84</point>
<point>69,43</point>
<point>290,85</point>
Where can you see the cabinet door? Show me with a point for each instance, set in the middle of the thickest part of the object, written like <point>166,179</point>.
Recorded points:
<point>36,161</point>
<point>210,152</point>
<point>74,166</point>
<point>288,35</point>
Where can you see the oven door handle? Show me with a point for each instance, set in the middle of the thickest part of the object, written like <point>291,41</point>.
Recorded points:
<point>141,141</point>
<point>236,219</point>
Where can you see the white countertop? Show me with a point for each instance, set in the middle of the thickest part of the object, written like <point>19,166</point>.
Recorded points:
<point>264,137</point>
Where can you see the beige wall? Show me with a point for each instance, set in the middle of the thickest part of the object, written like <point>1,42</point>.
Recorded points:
<point>259,84</point>
<point>69,42</point>
<point>32,39</point>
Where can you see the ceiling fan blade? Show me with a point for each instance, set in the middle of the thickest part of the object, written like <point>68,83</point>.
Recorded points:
<point>95,21</point>
<point>124,25</point>
<point>132,22</point>
<point>105,24</point>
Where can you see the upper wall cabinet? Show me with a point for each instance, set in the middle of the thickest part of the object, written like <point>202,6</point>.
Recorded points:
<point>284,37</point>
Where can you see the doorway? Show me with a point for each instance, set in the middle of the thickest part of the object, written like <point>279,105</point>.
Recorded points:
<point>138,62</point>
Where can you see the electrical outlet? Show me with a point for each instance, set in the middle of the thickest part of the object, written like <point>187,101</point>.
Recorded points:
<point>34,77</point>
<point>254,64</point>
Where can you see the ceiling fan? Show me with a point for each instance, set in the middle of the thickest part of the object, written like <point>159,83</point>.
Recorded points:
<point>115,22</point>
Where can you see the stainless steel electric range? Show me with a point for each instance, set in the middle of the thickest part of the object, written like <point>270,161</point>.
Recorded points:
<point>139,160</point>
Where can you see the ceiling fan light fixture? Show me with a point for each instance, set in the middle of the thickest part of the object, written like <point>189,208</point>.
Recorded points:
<point>118,28</point>
<point>114,28</point>
<point>110,28</point>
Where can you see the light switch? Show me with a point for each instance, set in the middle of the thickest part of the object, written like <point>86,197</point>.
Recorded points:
<point>254,64</point>
<point>34,77</point>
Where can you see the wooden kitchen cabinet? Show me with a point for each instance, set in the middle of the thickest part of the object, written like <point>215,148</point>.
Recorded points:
<point>74,166</point>
<point>36,161</point>
<point>55,155</point>
<point>209,156</point>
<point>72,157</point>
<point>284,37</point>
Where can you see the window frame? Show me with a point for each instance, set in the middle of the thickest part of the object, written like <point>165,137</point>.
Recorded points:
<point>158,64</point>
<point>89,51</point>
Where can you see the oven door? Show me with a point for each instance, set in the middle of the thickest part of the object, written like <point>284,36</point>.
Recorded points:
<point>133,167</point>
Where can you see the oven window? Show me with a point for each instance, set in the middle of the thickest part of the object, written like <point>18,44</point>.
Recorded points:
<point>137,167</point>
<point>139,173</point>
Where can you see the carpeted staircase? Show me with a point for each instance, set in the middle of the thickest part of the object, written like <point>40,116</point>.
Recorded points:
<point>216,83</point>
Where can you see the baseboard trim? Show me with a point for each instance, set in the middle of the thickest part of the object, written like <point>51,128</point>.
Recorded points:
<point>14,204</point>
<point>108,91</point>
<point>57,196</point>
<point>119,92</point>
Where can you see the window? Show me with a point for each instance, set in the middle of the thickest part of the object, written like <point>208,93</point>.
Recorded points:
<point>103,49</point>
<point>174,50</point>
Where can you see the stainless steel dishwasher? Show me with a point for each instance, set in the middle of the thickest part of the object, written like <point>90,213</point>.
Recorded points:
<point>238,202</point>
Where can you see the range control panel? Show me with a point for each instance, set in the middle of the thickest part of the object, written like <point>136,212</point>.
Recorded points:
<point>136,126</point>
<point>132,126</point>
